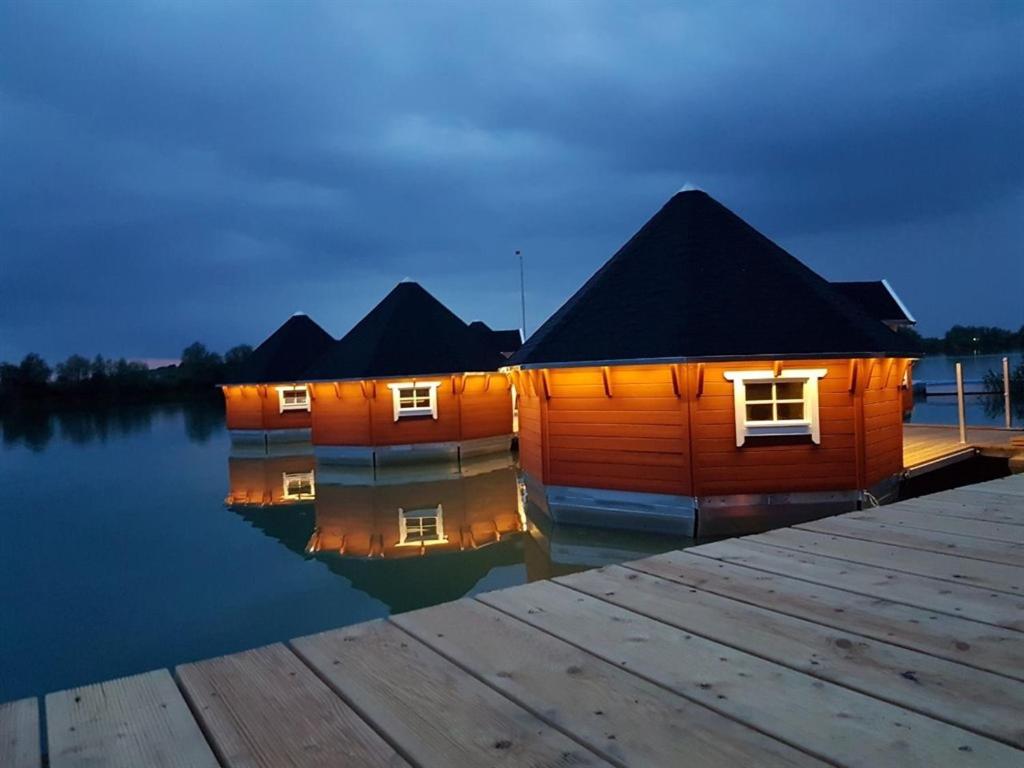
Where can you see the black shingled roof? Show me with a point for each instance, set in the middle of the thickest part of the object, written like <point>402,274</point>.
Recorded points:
<point>410,333</point>
<point>286,353</point>
<point>698,282</point>
<point>877,299</point>
<point>501,341</point>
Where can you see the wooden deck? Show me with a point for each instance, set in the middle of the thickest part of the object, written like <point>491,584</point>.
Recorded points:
<point>888,637</point>
<point>927,447</point>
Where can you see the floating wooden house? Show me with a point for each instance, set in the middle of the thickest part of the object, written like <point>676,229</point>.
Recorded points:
<point>410,383</point>
<point>704,380</point>
<point>268,401</point>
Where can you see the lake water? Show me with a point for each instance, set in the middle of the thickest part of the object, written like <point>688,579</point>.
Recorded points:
<point>980,410</point>
<point>121,551</point>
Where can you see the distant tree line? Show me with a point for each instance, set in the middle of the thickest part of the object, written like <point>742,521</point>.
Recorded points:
<point>970,340</point>
<point>78,377</point>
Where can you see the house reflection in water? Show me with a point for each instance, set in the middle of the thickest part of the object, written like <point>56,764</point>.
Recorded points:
<point>427,517</point>
<point>411,539</point>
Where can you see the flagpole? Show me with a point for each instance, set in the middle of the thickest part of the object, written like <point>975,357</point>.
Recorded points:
<point>522,290</point>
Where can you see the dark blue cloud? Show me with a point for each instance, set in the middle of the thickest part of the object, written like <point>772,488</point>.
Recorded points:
<point>172,172</point>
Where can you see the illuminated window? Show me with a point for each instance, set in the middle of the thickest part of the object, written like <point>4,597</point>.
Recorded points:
<point>414,398</point>
<point>298,486</point>
<point>776,406</point>
<point>421,526</point>
<point>293,398</point>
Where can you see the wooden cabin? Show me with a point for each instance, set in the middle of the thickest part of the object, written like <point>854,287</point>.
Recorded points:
<point>410,383</point>
<point>268,402</point>
<point>413,519</point>
<point>704,381</point>
<point>271,481</point>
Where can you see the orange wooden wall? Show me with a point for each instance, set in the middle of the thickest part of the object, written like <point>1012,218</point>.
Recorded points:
<point>256,406</point>
<point>655,433</point>
<point>363,520</point>
<point>260,481</point>
<point>361,413</point>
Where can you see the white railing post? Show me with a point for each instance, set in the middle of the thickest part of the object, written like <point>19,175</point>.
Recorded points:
<point>1006,391</point>
<point>960,402</point>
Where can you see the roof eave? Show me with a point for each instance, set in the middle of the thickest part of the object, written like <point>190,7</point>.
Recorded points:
<point>712,359</point>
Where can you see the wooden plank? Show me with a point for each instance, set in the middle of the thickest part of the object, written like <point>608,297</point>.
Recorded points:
<point>961,600</point>
<point>987,513</point>
<point>917,681</point>
<point>961,570</point>
<point>623,717</point>
<point>996,508</point>
<point>832,722</point>
<point>902,515</point>
<point>954,544</point>
<point>431,710</point>
<point>971,643</point>
<point>19,734</point>
<point>266,708</point>
<point>1010,486</point>
<point>130,722</point>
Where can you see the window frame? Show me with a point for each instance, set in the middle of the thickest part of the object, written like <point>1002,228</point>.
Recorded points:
<point>288,496</point>
<point>399,411</point>
<point>404,515</point>
<point>809,425</point>
<point>283,406</point>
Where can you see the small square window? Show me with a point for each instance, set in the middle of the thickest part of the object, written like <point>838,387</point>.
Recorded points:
<point>293,398</point>
<point>298,486</point>
<point>414,398</point>
<point>776,405</point>
<point>421,526</point>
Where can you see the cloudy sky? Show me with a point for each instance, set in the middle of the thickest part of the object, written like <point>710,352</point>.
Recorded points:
<point>172,171</point>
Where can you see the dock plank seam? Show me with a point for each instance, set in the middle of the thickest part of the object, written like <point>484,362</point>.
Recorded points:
<point>654,681</point>
<point>533,711</point>
<point>891,640</point>
<point>1013,591</point>
<point>778,659</point>
<point>363,715</point>
<point>867,567</point>
<point>877,538</point>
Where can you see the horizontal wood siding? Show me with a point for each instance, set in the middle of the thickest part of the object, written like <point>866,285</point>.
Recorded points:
<point>633,440</point>
<point>486,406</point>
<point>883,422</point>
<point>721,467</point>
<point>341,415</point>
<point>258,407</point>
<point>243,408</point>
<point>356,419</point>
<point>363,521</point>
<point>531,451</point>
<point>260,481</point>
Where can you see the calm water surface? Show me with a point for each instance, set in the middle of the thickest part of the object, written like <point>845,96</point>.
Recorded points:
<point>121,551</point>
<point>980,410</point>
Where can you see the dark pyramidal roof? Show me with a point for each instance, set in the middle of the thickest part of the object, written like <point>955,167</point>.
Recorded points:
<point>286,353</point>
<point>410,333</point>
<point>878,299</point>
<point>699,282</point>
<point>501,341</point>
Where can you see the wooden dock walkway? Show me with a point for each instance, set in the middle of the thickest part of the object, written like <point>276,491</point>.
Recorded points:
<point>887,637</point>
<point>928,447</point>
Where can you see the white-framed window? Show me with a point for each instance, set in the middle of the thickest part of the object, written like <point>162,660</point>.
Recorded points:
<point>294,398</point>
<point>421,526</point>
<point>770,405</point>
<point>414,398</point>
<point>298,486</point>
